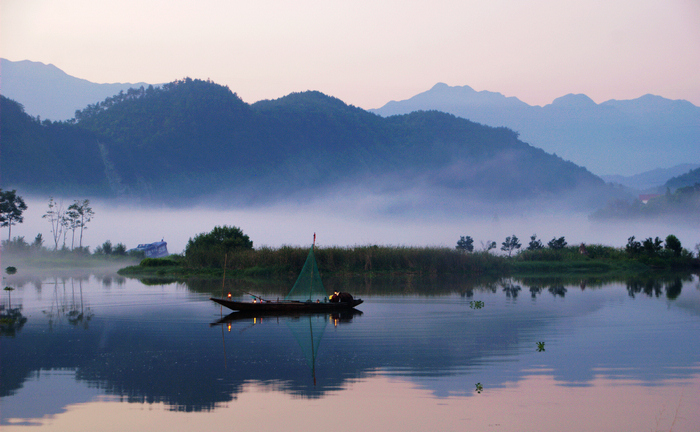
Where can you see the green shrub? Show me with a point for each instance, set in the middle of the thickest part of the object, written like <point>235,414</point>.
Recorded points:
<point>211,249</point>
<point>158,262</point>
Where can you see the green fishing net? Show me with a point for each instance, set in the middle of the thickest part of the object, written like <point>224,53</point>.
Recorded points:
<point>308,285</point>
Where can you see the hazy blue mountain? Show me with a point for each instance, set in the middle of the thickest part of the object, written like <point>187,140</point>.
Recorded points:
<point>48,92</point>
<point>191,139</point>
<point>651,179</point>
<point>690,178</point>
<point>611,138</point>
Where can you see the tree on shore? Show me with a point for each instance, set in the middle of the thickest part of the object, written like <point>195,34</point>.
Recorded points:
<point>38,242</point>
<point>105,249</point>
<point>673,244</point>
<point>557,243</point>
<point>119,249</point>
<point>488,245</point>
<point>82,214</point>
<point>633,247</point>
<point>535,243</point>
<point>70,222</point>
<point>465,244</point>
<point>512,243</point>
<point>208,249</point>
<point>652,246</point>
<point>56,215</point>
<point>11,208</point>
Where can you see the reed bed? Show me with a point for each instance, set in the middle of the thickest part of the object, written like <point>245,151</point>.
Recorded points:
<point>353,260</point>
<point>403,261</point>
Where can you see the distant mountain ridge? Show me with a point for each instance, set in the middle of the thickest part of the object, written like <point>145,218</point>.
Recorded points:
<point>625,137</point>
<point>622,138</point>
<point>691,178</point>
<point>48,92</point>
<point>192,139</point>
<point>651,179</point>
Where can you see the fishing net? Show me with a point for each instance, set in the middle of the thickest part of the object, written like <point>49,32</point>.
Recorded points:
<point>308,331</point>
<point>308,285</point>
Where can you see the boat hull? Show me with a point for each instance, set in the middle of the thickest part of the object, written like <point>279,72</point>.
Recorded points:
<point>339,316</point>
<point>286,306</point>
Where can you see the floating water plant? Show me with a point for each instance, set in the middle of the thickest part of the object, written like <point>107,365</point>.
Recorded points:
<point>477,304</point>
<point>540,346</point>
<point>9,290</point>
<point>479,388</point>
<point>11,270</point>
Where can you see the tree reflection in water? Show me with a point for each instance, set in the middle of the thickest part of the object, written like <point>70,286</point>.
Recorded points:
<point>511,289</point>
<point>557,290</point>
<point>70,306</point>
<point>655,286</point>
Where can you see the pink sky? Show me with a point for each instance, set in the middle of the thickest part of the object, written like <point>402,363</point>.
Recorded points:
<point>370,52</point>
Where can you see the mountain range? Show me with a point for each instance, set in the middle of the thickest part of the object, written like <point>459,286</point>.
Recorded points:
<point>50,93</point>
<point>193,139</point>
<point>616,137</point>
<point>656,180</point>
<point>639,143</point>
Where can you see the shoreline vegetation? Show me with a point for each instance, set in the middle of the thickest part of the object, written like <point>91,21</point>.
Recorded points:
<point>391,261</point>
<point>379,270</point>
<point>226,252</point>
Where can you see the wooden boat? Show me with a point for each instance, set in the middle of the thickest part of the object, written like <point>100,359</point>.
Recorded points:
<point>307,295</point>
<point>287,305</point>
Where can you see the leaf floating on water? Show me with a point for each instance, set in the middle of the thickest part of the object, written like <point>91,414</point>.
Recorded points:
<point>540,346</point>
<point>479,388</point>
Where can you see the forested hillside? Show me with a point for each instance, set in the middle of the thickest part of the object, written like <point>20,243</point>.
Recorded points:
<point>691,178</point>
<point>48,156</point>
<point>191,138</point>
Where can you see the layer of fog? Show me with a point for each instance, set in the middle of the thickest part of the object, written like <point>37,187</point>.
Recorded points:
<point>348,219</point>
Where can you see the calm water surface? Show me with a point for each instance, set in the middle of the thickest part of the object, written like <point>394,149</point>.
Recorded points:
<point>114,354</point>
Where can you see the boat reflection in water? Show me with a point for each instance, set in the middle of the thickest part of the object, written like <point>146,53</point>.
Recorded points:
<point>306,328</point>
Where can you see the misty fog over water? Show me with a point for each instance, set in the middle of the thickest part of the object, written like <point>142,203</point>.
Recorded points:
<point>342,220</point>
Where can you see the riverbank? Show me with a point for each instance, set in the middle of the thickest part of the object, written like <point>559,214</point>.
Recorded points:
<point>49,260</point>
<point>382,260</point>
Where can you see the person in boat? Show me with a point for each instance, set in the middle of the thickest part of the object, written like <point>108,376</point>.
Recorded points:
<point>338,296</point>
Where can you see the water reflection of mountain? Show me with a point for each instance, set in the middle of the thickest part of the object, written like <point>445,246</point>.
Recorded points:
<point>182,365</point>
<point>173,356</point>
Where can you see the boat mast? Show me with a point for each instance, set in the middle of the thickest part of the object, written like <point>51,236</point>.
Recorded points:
<point>311,279</point>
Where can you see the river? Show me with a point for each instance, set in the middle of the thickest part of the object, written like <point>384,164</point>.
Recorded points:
<point>99,352</point>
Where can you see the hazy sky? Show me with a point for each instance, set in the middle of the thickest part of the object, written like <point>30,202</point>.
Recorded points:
<point>370,52</point>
